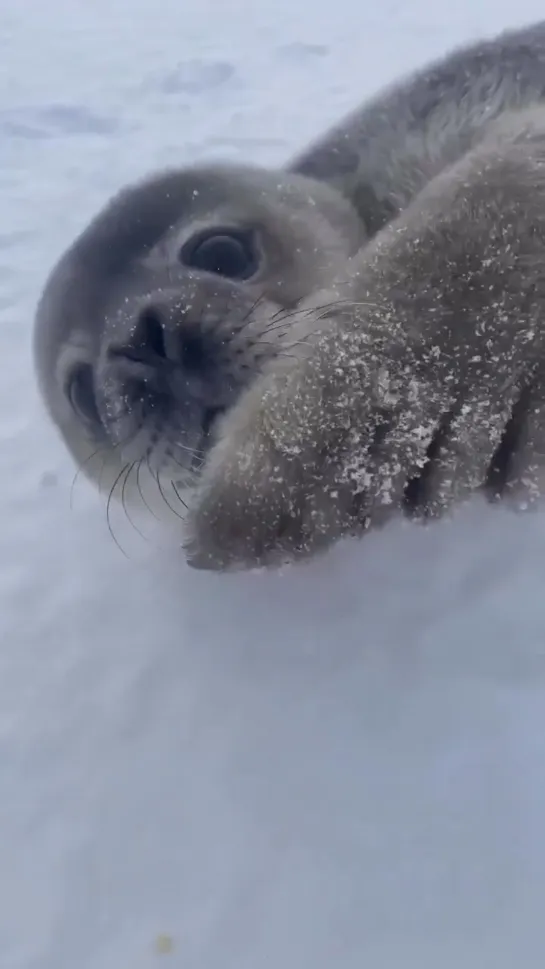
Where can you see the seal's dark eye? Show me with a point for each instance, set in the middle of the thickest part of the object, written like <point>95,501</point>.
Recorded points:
<point>81,393</point>
<point>226,252</point>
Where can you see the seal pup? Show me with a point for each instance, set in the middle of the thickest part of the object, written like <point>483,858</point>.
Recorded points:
<point>143,336</point>
<point>418,377</point>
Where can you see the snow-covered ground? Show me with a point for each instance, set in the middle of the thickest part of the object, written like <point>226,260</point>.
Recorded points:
<point>341,766</point>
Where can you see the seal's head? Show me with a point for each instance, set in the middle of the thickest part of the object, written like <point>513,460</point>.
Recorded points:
<point>144,335</point>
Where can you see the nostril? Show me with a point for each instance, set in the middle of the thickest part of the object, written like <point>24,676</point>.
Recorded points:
<point>193,353</point>
<point>152,341</point>
<point>150,332</point>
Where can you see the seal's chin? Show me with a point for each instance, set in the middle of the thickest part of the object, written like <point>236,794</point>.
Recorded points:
<point>171,438</point>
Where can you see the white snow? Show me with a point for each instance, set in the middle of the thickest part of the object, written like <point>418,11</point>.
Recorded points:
<point>339,766</point>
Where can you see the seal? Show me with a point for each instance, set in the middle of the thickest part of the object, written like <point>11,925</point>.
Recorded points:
<point>144,335</point>
<point>141,337</point>
<point>417,377</point>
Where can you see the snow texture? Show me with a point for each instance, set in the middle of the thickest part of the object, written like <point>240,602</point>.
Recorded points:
<point>341,765</point>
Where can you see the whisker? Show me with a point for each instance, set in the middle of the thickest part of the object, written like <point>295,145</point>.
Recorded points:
<point>278,313</point>
<point>139,486</point>
<point>286,346</point>
<point>102,470</point>
<point>183,467</point>
<point>193,451</point>
<point>235,330</point>
<point>279,353</point>
<point>162,493</point>
<point>108,504</point>
<point>79,472</point>
<point>125,504</point>
<point>246,319</point>
<point>281,328</point>
<point>290,314</point>
<point>287,312</point>
<point>114,447</point>
<point>178,495</point>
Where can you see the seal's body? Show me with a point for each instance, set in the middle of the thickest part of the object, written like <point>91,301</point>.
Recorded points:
<point>381,155</point>
<point>173,301</point>
<point>419,375</point>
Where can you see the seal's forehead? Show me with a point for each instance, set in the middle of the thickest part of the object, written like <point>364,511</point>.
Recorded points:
<point>141,215</point>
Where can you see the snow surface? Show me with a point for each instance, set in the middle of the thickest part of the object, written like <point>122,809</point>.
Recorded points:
<point>338,766</point>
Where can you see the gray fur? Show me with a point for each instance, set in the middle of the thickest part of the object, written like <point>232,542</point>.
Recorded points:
<point>381,155</point>
<point>150,412</point>
<point>308,220</point>
<point>431,340</point>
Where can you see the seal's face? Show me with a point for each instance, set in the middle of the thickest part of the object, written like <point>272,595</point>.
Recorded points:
<point>146,335</point>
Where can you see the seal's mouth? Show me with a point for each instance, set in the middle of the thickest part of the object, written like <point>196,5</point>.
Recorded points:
<point>160,412</point>
<point>210,418</point>
<point>209,424</point>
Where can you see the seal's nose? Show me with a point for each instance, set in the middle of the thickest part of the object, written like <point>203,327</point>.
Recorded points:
<point>153,339</point>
